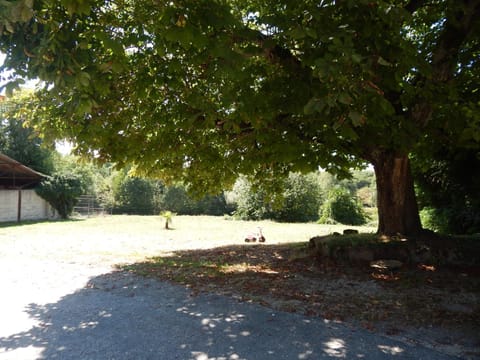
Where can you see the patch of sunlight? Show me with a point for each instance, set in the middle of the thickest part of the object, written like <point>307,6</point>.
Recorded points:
<point>186,310</point>
<point>390,350</point>
<point>82,325</point>
<point>199,355</point>
<point>104,314</point>
<point>28,352</point>
<point>87,324</point>
<point>234,317</point>
<point>335,348</point>
<point>388,239</point>
<point>244,267</point>
<point>208,323</point>
<point>305,355</point>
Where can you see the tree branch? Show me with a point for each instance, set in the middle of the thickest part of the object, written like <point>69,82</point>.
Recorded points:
<point>414,5</point>
<point>459,25</point>
<point>458,28</point>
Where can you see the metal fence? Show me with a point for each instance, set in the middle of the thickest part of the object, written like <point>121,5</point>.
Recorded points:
<point>87,205</point>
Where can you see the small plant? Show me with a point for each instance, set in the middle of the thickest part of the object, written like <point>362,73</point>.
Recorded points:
<point>168,216</point>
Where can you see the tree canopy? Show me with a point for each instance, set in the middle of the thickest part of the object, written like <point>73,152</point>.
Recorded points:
<point>206,90</point>
<point>22,143</point>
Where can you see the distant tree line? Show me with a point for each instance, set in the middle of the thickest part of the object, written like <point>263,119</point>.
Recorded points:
<point>124,194</point>
<point>300,199</point>
<point>315,196</point>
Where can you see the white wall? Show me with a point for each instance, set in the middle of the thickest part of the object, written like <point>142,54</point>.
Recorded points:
<point>33,207</point>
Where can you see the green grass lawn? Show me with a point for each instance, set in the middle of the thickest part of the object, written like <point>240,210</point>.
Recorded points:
<point>122,238</point>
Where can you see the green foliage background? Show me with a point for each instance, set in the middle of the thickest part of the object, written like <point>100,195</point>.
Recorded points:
<point>134,195</point>
<point>448,188</point>
<point>342,207</point>
<point>62,192</point>
<point>20,142</point>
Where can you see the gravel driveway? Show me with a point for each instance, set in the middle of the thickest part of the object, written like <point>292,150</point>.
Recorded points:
<point>55,305</point>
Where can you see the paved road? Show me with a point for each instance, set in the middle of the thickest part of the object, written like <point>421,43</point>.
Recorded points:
<point>52,310</point>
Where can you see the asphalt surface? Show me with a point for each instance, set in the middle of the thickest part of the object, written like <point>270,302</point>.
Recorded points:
<point>55,310</point>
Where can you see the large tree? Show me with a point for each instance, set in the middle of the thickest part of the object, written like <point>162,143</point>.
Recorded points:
<point>22,143</point>
<point>207,90</point>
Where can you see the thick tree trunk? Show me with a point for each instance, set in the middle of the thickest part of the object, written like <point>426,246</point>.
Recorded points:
<point>397,205</point>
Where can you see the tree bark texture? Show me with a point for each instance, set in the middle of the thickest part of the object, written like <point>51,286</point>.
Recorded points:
<point>397,205</point>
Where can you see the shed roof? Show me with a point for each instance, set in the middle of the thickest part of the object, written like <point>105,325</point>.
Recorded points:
<point>14,175</point>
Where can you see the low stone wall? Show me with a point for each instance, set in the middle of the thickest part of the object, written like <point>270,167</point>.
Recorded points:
<point>428,248</point>
<point>25,203</point>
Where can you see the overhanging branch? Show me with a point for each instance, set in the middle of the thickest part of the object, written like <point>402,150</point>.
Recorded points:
<point>458,28</point>
<point>414,5</point>
<point>459,25</point>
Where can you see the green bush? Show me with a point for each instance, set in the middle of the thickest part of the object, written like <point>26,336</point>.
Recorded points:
<point>213,205</point>
<point>431,219</point>
<point>342,207</point>
<point>448,188</point>
<point>301,199</point>
<point>251,204</point>
<point>297,201</point>
<point>463,220</point>
<point>62,192</point>
<point>176,198</point>
<point>134,196</point>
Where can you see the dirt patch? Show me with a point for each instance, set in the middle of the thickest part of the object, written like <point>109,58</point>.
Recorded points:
<point>442,301</point>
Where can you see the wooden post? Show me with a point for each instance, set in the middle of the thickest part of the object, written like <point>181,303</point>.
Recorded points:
<point>19,206</point>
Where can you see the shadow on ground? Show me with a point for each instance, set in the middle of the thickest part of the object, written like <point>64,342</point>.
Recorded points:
<point>25,223</point>
<point>123,316</point>
<point>433,305</point>
<point>287,278</point>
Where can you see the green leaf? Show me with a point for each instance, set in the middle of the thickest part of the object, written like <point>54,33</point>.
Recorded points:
<point>114,45</point>
<point>386,107</point>
<point>77,6</point>
<point>356,58</point>
<point>26,11</point>
<point>9,27</point>
<point>311,32</point>
<point>84,107</point>
<point>12,86</point>
<point>297,33</point>
<point>383,62</point>
<point>83,44</point>
<point>182,35</point>
<point>345,98</point>
<point>348,132</point>
<point>70,6</point>
<point>314,105</point>
<point>84,79</point>
<point>356,118</point>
